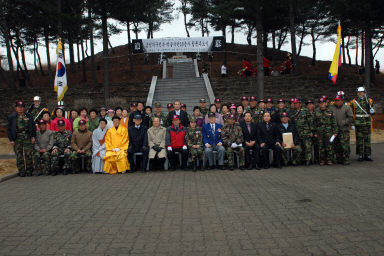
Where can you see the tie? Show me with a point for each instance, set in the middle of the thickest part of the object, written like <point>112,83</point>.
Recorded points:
<point>267,127</point>
<point>249,128</point>
<point>213,129</point>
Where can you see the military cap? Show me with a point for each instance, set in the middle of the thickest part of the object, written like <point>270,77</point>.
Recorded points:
<point>211,115</point>
<point>203,100</point>
<point>309,102</point>
<point>322,100</point>
<point>244,98</point>
<point>174,117</point>
<point>269,100</point>
<point>324,97</point>
<point>361,89</point>
<point>261,100</point>
<point>284,114</point>
<point>133,104</point>
<point>252,98</point>
<point>292,100</point>
<point>281,100</point>
<point>60,123</point>
<point>233,106</point>
<point>41,121</point>
<point>19,104</point>
<point>183,105</point>
<point>82,122</point>
<point>157,105</point>
<point>169,105</point>
<point>217,100</point>
<point>192,120</point>
<point>137,116</point>
<point>338,97</point>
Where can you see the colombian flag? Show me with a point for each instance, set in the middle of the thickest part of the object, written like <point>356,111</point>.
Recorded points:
<point>337,60</point>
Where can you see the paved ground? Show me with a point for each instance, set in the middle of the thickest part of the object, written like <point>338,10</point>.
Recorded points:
<point>294,211</point>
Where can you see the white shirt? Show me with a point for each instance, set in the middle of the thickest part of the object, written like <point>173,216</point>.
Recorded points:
<point>223,69</point>
<point>177,112</point>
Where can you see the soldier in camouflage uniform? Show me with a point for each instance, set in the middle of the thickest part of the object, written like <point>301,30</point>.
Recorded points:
<point>363,111</point>
<point>232,136</point>
<point>258,113</point>
<point>194,141</point>
<point>158,113</point>
<point>300,119</point>
<point>245,104</point>
<point>203,107</point>
<point>252,105</point>
<point>270,108</point>
<point>43,146</point>
<point>35,109</point>
<point>344,117</point>
<point>21,132</point>
<point>315,140</point>
<point>279,110</point>
<point>61,147</point>
<point>218,105</point>
<point>326,127</point>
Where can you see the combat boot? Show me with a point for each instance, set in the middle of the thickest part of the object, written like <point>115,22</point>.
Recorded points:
<point>368,158</point>
<point>194,166</point>
<point>361,158</point>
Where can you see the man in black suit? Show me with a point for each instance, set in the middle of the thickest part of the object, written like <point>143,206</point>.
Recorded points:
<point>138,143</point>
<point>139,111</point>
<point>269,137</point>
<point>177,111</point>
<point>287,127</point>
<point>251,146</point>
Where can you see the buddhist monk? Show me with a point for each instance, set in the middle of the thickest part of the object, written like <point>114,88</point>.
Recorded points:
<point>116,143</point>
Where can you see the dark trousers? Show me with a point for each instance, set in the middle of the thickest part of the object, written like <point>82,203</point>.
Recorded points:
<point>276,154</point>
<point>156,163</point>
<point>173,158</point>
<point>144,159</point>
<point>252,155</point>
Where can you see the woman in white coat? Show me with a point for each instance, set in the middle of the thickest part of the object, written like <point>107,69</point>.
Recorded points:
<point>98,147</point>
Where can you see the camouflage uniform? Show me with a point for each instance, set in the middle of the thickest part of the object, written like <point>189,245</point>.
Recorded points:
<point>75,163</point>
<point>300,119</point>
<point>204,111</point>
<point>257,115</point>
<point>326,126</point>
<point>163,119</point>
<point>61,142</point>
<point>247,109</point>
<point>315,140</point>
<point>193,137</point>
<point>23,145</point>
<point>233,134</point>
<point>363,124</point>
<point>225,118</point>
<point>42,162</point>
<point>34,111</point>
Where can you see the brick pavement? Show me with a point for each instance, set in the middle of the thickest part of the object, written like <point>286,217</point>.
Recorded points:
<point>293,211</point>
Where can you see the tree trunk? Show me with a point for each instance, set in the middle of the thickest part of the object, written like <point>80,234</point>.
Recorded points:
<point>347,49</point>
<point>357,50</point>
<point>265,42</point>
<point>39,59</point>
<point>130,50</point>
<point>78,56</point>
<point>202,27</point>
<point>313,47</point>
<point>232,34</point>
<point>110,46</point>
<point>295,63</point>
<point>343,47</point>
<point>301,39</point>
<point>274,39</point>
<point>46,38</point>
<point>86,48</point>
<point>362,49</point>
<point>71,52</point>
<point>225,40</point>
<point>185,23</point>
<point>104,26</point>
<point>367,74</point>
<point>260,68</point>
<point>12,81</point>
<point>83,62</point>
<point>282,37</point>
<point>249,34</point>
<point>34,57</point>
<point>93,64</point>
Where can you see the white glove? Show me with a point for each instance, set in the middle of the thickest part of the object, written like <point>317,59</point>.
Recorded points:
<point>116,149</point>
<point>234,145</point>
<point>169,148</point>
<point>353,127</point>
<point>240,145</point>
<point>184,147</point>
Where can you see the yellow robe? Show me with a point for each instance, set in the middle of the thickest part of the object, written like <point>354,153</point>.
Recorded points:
<point>116,161</point>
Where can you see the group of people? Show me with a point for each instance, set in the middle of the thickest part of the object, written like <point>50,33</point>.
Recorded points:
<point>253,134</point>
<point>248,70</point>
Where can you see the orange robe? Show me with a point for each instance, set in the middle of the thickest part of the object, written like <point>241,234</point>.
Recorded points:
<point>124,122</point>
<point>116,161</point>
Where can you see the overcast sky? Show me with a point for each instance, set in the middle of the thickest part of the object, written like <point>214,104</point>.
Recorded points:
<point>325,50</point>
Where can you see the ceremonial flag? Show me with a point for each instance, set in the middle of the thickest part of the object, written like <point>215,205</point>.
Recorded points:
<point>337,61</point>
<point>60,85</point>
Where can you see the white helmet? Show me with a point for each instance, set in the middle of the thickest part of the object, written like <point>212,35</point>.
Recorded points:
<point>36,98</point>
<point>361,89</point>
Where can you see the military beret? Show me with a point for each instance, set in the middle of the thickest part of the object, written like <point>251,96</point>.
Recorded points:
<point>269,100</point>
<point>41,121</point>
<point>292,100</point>
<point>203,100</point>
<point>244,98</point>
<point>183,105</point>
<point>261,100</point>
<point>174,117</point>
<point>309,102</point>
<point>231,116</point>
<point>338,97</point>
<point>211,115</point>
<point>19,104</point>
<point>217,100</point>
<point>133,104</point>
<point>281,100</point>
<point>137,116</point>
<point>252,98</point>
<point>322,100</point>
<point>192,120</point>
<point>157,105</point>
<point>115,117</point>
<point>82,122</point>
<point>296,100</point>
<point>284,114</point>
<point>60,123</point>
<point>233,106</point>
<point>169,105</point>
<point>325,97</point>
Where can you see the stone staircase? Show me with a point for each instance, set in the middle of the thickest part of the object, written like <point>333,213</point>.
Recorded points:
<point>184,86</point>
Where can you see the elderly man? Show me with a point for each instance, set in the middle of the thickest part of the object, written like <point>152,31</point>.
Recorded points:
<point>43,146</point>
<point>159,114</point>
<point>175,142</point>
<point>251,146</point>
<point>116,144</point>
<point>344,119</point>
<point>36,109</point>
<point>156,143</point>
<point>81,143</point>
<point>183,116</point>
<point>212,142</point>
<point>61,147</point>
<point>232,136</point>
<point>21,134</point>
<point>138,138</point>
<point>287,127</point>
